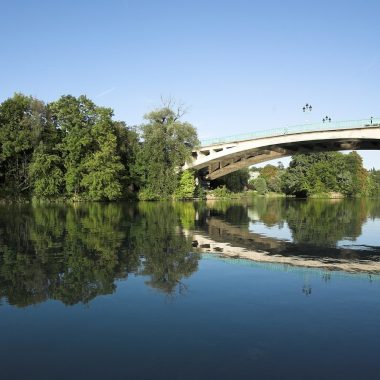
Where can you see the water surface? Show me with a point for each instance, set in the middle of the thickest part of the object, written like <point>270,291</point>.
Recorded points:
<point>165,290</point>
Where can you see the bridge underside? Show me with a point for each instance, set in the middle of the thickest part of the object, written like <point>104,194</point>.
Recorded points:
<point>220,166</point>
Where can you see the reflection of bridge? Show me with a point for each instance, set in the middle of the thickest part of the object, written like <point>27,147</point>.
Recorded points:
<point>233,241</point>
<point>291,267</point>
<point>218,157</point>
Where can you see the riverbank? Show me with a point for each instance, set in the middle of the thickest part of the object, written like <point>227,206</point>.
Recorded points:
<point>217,194</point>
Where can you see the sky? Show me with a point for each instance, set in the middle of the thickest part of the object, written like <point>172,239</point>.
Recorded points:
<point>238,66</point>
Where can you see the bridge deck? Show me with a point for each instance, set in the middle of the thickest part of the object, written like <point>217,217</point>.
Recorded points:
<point>302,128</point>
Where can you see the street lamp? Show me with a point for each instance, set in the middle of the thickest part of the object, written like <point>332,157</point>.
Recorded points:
<point>326,119</point>
<point>307,107</point>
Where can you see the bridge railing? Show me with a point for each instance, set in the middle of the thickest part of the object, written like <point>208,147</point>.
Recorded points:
<point>315,127</point>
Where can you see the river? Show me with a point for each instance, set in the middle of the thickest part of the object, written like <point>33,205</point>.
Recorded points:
<point>257,288</point>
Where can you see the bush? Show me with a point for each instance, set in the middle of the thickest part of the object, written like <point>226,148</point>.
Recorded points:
<point>199,192</point>
<point>186,186</point>
<point>147,195</point>
<point>261,185</point>
<point>221,192</point>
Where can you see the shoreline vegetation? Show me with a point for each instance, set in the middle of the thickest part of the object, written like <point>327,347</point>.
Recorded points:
<point>71,150</point>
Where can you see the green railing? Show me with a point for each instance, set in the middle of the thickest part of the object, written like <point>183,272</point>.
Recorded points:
<point>288,130</point>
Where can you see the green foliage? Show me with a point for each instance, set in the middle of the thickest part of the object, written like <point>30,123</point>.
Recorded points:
<point>254,169</point>
<point>128,147</point>
<point>272,175</point>
<point>24,122</point>
<point>69,148</point>
<point>354,164</point>
<point>46,173</point>
<point>186,185</point>
<point>167,144</point>
<point>102,169</point>
<point>147,194</point>
<point>199,191</point>
<point>221,192</point>
<point>73,148</point>
<point>310,174</point>
<point>261,185</point>
<point>89,148</point>
<point>374,183</point>
<point>102,172</point>
<point>236,181</point>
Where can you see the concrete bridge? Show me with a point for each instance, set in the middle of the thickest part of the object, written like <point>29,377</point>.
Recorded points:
<point>218,157</point>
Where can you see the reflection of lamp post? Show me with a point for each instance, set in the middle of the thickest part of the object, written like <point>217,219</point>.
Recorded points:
<point>326,119</point>
<point>306,290</point>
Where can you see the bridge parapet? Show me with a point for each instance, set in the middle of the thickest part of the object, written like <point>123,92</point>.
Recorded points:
<point>301,128</point>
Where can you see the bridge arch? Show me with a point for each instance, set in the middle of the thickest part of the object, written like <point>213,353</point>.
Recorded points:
<point>218,157</point>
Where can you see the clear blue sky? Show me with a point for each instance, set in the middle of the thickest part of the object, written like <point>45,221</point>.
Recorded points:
<point>238,65</point>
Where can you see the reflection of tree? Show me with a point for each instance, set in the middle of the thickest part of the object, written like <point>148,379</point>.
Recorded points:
<point>65,253</point>
<point>315,225</point>
<point>270,211</point>
<point>167,252</point>
<point>187,214</point>
<point>324,223</point>
<point>234,212</point>
<point>317,222</point>
<point>73,253</point>
<point>374,208</point>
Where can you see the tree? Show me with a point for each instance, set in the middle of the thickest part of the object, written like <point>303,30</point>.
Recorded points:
<point>374,183</point>
<point>354,164</point>
<point>186,185</point>
<point>24,122</point>
<point>269,172</point>
<point>128,147</point>
<point>236,181</point>
<point>74,117</point>
<point>310,174</point>
<point>272,176</point>
<point>46,173</point>
<point>102,171</point>
<point>167,144</point>
<point>261,185</point>
<point>93,169</point>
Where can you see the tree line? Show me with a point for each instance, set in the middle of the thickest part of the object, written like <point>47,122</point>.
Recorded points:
<point>71,148</point>
<point>309,175</point>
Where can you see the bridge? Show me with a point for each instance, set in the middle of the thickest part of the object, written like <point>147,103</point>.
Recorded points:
<point>218,157</point>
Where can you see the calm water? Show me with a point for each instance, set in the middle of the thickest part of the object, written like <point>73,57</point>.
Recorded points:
<point>169,291</point>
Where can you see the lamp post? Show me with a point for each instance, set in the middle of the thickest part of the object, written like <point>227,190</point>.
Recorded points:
<point>326,119</point>
<point>307,108</point>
